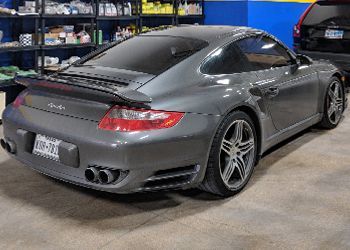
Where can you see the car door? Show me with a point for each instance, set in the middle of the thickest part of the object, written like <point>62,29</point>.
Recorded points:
<point>290,91</point>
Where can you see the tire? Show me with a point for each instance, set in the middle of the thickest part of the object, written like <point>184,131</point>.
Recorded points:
<point>333,100</point>
<point>224,151</point>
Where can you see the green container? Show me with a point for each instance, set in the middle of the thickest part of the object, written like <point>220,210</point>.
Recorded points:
<point>99,37</point>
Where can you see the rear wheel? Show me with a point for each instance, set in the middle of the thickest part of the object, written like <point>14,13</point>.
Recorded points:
<point>334,104</point>
<point>232,156</point>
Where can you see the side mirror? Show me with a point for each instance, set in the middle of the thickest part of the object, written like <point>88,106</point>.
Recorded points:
<point>301,60</point>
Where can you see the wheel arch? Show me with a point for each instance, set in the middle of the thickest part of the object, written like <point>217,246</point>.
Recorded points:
<point>253,114</point>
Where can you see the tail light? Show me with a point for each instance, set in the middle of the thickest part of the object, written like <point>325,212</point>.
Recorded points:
<point>20,99</point>
<point>297,27</point>
<point>127,119</point>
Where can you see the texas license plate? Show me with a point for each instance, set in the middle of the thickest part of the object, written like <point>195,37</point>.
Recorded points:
<point>334,34</point>
<point>46,146</point>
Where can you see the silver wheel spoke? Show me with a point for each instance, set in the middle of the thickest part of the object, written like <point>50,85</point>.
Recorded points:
<point>338,114</point>
<point>226,146</point>
<point>229,169</point>
<point>330,111</point>
<point>339,102</point>
<point>331,94</point>
<point>336,91</point>
<point>241,167</point>
<point>246,146</point>
<point>238,133</point>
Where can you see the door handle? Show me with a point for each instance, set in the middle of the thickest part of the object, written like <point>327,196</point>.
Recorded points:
<point>272,91</point>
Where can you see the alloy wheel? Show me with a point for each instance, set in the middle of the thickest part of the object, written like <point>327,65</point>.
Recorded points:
<point>335,102</point>
<point>237,154</point>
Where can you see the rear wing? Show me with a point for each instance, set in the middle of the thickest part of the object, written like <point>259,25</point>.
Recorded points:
<point>51,84</point>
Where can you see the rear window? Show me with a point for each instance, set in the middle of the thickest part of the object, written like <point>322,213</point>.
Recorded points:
<point>148,54</point>
<point>325,13</point>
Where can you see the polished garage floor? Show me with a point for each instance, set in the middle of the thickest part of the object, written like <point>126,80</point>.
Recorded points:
<point>298,197</point>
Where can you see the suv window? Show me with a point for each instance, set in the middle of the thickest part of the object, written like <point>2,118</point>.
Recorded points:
<point>148,54</point>
<point>226,60</point>
<point>264,53</point>
<point>328,12</point>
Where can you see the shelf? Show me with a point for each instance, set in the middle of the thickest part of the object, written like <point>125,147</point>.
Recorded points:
<point>68,46</point>
<point>134,17</point>
<point>52,68</point>
<point>191,16</point>
<point>19,49</point>
<point>68,16</point>
<point>19,17</point>
<point>115,18</point>
<point>158,15</point>
<point>6,83</point>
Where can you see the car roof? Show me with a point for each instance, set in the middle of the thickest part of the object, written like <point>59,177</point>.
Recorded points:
<point>209,33</point>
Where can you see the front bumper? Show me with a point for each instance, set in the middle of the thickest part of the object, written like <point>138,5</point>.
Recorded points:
<point>140,154</point>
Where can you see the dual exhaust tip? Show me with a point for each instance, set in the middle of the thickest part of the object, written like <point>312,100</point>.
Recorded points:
<point>9,146</point>
<point>103,176</point>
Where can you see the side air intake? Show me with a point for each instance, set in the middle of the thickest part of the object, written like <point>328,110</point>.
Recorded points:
<point>171,178</point>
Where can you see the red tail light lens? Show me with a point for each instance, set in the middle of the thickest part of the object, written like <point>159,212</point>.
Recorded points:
<point>297,27</point>
<point>127,119</point>
<point>19,99</point>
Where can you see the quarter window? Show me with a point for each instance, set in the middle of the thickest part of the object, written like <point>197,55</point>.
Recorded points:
<point>226,60</point>
<point>264,53</point>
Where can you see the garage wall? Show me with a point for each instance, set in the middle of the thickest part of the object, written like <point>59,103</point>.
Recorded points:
<point>229,12</point>
<point>276,17</point>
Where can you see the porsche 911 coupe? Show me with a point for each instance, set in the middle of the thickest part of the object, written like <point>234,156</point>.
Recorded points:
<point>189,106</point>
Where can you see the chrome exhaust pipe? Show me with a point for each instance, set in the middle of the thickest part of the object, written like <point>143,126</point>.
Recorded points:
<point>106,176</point>
<point>11,147</point>
<point>91,174</point>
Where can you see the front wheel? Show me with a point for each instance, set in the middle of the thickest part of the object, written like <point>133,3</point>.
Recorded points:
<point>333,105</point>
<point>232,156</point>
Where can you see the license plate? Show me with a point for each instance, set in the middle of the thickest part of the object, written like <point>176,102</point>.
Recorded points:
<point>334,34</point>
<point>46,146</point>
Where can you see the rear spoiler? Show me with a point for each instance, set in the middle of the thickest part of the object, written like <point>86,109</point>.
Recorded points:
<point>49,82</point>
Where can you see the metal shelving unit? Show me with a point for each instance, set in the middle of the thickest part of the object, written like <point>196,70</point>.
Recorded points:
<point>19,49</point>
<point>116,18</point>
<point>67,46</point>
<point>19,17</point>
<point>40,21</point>
<point>82,16</point>
<point>45,17</point>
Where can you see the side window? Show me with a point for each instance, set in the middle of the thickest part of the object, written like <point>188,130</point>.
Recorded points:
<point>226,60</point>
<point>264,53</point>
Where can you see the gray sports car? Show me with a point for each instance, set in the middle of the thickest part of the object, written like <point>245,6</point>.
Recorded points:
<point>191,106</point>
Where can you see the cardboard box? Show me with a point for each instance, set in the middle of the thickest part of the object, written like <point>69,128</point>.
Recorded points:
<point>2,101</point>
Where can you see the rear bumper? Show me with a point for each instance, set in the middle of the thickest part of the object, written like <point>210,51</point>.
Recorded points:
<point>339,59</point>
<point>140,154</point>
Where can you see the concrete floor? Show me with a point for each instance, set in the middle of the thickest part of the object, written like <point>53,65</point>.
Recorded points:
<point>299,197</point>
